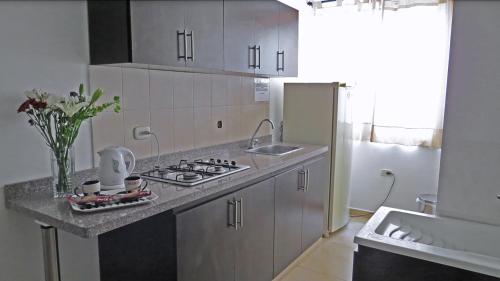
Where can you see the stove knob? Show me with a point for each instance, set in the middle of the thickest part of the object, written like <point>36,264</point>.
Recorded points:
<point>233,163</point>
<point>226,162</point>
<point>219,161</point>
<point>212,160</point>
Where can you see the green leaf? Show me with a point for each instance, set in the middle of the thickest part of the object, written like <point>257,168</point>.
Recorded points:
<point>97,95</point>
<point>81,90</point>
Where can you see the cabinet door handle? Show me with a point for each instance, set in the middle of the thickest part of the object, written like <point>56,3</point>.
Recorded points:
<point>307,180</point>
<point>179,55</point>
<point>232,206</point>
<point>252,56</point>
<point>257,49</point>
<point>191,39</point>
<point>282,67</point>
<point>240,218</point>
<point>301,176</point>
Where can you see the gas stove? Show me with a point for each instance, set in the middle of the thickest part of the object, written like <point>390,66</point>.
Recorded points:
<point>193,173</point>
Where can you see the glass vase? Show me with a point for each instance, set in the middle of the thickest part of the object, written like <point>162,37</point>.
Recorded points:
<point>63,169</point>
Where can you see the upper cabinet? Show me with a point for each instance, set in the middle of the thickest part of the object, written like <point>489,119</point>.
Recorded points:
<point>249,36</point>
<point>158,32</point>
<point>109,35</point>
<point>205,34</point>
<point>177,33</point>
<point>266,35</point>
<point>239,51</point>
<point>288,50</point>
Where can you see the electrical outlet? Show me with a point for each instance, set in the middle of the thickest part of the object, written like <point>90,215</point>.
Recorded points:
<point>386,172</point>
<point>141,133</point>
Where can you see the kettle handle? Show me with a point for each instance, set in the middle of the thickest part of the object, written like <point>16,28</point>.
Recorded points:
<point>128,154</point>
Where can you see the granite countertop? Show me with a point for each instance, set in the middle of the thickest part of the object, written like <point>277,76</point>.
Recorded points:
<point>34,198</point>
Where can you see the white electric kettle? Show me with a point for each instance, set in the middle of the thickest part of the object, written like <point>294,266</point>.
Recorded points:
<point>115,165</point>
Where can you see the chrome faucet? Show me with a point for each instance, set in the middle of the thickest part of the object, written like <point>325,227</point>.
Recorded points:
<point>253,141</point>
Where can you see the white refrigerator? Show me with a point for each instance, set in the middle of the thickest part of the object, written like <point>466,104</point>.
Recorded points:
<point>320,113</point>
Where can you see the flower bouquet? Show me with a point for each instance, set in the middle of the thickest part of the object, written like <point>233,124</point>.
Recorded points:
<point>58,120</point>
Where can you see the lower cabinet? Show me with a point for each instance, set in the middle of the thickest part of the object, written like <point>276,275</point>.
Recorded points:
<point>255,235</point>
<point>249,235</point>
<point>299,217</point>
<point>205,242</point>
<point>230,238</point>
<point>288,219</point>
<point>144,250</point>
<point>313,210</point>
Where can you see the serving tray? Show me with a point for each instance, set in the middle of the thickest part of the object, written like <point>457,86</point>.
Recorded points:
<point>89,208</point>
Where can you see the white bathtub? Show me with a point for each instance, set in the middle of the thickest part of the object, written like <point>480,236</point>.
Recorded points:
<point>467,245</point>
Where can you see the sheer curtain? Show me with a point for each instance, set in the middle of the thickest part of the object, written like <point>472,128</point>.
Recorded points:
<point>397,65</point>
<point>403,100</point>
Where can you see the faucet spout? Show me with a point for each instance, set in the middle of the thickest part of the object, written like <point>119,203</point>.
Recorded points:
<point>252,140</point>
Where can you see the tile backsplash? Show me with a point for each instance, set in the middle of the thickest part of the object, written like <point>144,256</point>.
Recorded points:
<point>181,108</point>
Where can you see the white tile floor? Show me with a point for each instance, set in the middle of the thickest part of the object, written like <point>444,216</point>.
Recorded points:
<point>331,258</point>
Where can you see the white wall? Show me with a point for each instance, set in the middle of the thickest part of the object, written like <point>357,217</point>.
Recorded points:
<point>469,180</point>
<point>43,45</point>
<point>416,170</point>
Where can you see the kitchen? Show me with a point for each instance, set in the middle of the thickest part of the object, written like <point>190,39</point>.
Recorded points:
<point>202,89</point>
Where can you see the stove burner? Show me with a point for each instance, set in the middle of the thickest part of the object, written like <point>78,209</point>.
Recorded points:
<point>189,176</point>
<point>195,172</point>
<point>217,169</point>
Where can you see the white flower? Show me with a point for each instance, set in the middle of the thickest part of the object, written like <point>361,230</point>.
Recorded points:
<point>52,100</point>
<point>38,95</point>
<point>70,108</point>
<point>33,94</point>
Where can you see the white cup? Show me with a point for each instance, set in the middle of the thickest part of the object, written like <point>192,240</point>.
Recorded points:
<point>134,182</point>
<point>89,187</point>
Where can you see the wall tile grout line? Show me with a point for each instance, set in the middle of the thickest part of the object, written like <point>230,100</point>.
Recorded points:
<point>170,95</point>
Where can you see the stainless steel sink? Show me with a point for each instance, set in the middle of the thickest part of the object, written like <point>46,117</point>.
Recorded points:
<point>274,149</point>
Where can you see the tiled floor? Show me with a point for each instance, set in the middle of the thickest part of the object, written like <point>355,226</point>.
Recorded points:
<point>330,260</point>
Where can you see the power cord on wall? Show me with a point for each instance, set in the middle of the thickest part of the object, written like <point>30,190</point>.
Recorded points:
<point>157,165</point>
<point>384,173</point>
<point>143,133</point>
